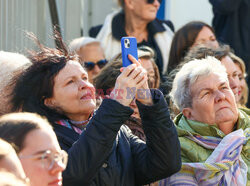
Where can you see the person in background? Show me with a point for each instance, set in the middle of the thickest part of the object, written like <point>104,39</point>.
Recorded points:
<point>9,162</point>
<point>221,53</point>
<point>36,146</point>
<point>188,36</point>
<point>90,53</point>
<point>243,88</point>
<point>9,179</point>
<point>11,64</point>
<point>213,133</point>
<point>136,18</point>
<point>101,149</point>
<point>231,24</point>
<point>105,82</point>
<point>147,60</point>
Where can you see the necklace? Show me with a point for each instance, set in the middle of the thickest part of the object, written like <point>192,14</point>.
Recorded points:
<point>81,124</point>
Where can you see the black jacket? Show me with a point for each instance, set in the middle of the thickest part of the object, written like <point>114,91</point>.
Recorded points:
<point>108,154</point>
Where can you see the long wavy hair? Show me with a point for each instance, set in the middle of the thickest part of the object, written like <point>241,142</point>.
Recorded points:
<point>36,83</point>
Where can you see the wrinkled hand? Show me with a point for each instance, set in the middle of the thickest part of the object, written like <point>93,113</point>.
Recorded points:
<point>132,78</point>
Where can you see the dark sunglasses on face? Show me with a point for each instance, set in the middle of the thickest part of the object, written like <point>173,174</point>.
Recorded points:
<point>152,1</point>
<point>90,65</point>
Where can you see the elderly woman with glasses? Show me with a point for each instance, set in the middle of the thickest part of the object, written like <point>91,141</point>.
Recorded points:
<point>213,133</point>
<point>137,18</point>
<point>102,151</point>
<point>36,146</point>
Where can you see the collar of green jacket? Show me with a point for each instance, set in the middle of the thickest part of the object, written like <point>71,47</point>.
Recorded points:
<point>186,127</point>
<point>193,152</point>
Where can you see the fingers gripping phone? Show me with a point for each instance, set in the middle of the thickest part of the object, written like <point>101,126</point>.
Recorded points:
<point>129,46</point>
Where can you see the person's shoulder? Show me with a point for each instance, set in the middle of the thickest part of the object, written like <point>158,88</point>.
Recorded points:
<point>245,109</point>
<point>244,118</point>
<point>94,30</point>
<point>168,23</point>
<point>125,129</point>
<point>189,150</point>
<point>65,133</point>
<point>65,136</point>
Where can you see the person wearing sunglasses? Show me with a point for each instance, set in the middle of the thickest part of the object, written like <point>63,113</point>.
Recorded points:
<point>36,146</point>
<point>90,53</point>
<point>136,18</point>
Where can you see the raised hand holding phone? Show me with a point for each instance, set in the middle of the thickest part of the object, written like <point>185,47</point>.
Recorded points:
<point>147,98</point>
<point>133,75</point>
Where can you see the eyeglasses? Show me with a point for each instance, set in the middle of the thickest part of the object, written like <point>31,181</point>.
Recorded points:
<point>49,159</point>
<point>90,65</point>
<point>152,1</point>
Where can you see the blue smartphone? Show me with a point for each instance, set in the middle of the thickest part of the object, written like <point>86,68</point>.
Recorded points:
<point>129,46</point>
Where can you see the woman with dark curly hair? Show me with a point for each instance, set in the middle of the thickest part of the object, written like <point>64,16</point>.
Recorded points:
<point>101,150</point>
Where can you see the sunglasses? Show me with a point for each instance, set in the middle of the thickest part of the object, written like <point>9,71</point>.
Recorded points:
<point>90,65</point>
<point>152,1</point>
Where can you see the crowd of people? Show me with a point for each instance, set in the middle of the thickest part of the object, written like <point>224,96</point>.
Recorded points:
<point>73,115</point>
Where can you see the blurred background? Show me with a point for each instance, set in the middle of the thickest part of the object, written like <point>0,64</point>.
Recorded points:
<point>75,17</point>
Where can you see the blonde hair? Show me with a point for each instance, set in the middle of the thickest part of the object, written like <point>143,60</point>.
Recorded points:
<point>145,52</point>
<point>237,60</point>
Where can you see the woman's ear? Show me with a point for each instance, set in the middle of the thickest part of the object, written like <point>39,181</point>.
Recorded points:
<point>49,102</point>
<point>187,112</point>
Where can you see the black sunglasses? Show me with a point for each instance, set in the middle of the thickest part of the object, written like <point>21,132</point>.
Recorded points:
<point>90,65</point>
<point>152,1</point>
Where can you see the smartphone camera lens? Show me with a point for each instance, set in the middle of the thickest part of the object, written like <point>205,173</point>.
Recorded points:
<point>127,43</point>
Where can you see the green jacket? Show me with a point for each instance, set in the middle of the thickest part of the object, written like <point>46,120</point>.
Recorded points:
<point>192,152</point>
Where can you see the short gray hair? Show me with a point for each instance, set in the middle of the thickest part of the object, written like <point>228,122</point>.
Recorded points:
<point>77,43</point>
<point>187,76</point>
<point>11,62</point>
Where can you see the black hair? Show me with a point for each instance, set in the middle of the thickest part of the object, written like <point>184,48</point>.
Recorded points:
<point>35,84</point>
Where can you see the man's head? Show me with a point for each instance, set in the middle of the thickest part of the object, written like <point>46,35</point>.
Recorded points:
<point>90,53</point>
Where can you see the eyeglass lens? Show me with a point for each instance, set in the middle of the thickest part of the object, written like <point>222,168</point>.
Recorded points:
<point>49,159</point>
<point>91,65</point>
